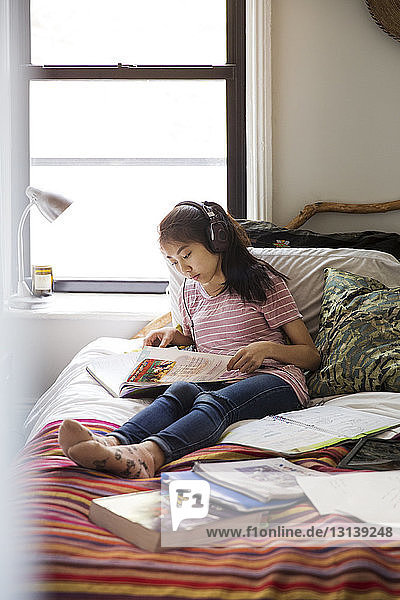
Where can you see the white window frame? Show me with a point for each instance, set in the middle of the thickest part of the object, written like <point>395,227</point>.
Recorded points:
<point>259,109</point>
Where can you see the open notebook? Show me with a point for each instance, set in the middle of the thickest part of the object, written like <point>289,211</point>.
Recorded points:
<point>303,430</point>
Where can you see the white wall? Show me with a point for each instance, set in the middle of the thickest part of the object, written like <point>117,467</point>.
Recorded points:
<point>336,112</point>
<point>37,350</point>
<point>43,346</point>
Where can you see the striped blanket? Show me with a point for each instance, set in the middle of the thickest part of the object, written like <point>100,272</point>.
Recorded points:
<point>73,559</point>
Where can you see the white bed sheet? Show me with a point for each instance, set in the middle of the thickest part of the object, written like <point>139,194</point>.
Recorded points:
<point>75,394</point>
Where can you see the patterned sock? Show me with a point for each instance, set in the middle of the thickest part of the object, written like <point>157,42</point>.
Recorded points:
<point>72,432</point>
<point>132,461</point>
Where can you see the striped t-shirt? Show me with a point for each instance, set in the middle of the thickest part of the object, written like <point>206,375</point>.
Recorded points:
<point>223,324</point>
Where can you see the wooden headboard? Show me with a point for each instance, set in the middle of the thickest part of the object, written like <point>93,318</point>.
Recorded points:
<point>311,209</point>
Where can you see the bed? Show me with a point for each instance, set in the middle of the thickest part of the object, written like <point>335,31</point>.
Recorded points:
<point>71,558</point>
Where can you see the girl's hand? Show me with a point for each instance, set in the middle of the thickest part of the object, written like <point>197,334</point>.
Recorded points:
<point>167,336</point>
<point>249,358</point>
<point>300,352</point>
<point>160,337</point>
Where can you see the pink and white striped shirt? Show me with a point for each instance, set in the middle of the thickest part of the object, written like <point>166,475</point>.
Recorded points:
<point>223,324</point>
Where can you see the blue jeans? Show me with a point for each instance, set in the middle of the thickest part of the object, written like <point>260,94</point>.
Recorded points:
<point>189,416</point>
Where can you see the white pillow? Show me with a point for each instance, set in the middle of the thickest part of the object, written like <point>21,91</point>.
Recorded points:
<point>305,268</point>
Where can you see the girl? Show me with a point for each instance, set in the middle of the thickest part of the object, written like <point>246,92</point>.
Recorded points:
<point>231,303</point>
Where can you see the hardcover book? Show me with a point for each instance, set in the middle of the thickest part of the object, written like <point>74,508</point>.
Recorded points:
<point>133,517</point>
<point>136,517</point>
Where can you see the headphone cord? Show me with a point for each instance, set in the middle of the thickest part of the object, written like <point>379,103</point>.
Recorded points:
<point>194,345</point>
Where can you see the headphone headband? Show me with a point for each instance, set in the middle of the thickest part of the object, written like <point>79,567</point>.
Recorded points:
<point>217,234</point>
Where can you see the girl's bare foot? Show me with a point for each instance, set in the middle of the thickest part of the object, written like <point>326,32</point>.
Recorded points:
<point>133,461</point>
<point>72,432</point>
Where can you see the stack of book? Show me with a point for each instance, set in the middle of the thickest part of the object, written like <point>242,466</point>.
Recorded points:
<point>240,491</point>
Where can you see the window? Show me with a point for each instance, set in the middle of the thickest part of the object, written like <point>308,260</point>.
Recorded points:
<point>133,107</point>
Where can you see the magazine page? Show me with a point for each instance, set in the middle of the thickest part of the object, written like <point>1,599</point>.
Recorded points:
<point>262,479</point>
<point>111,371</point>
<point>168,365</point>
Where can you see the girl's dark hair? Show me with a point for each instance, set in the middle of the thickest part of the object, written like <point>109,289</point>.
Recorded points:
<point>245,274</point>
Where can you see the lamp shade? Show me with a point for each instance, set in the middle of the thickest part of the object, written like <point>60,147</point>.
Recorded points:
<point>50,205</point>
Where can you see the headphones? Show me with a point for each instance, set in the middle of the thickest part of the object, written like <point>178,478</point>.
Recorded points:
<point>217,235</point>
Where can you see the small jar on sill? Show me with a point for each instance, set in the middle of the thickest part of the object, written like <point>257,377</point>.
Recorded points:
<point>42,280</point>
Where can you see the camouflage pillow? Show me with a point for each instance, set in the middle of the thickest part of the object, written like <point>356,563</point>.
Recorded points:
<point>358,336</point>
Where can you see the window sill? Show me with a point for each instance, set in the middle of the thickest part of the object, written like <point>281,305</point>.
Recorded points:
<point>137,307</point>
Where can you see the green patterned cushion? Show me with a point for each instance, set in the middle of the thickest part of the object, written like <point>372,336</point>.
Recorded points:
<point>358,336</point>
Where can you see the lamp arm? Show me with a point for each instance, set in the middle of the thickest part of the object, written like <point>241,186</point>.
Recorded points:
<point>21,243</point>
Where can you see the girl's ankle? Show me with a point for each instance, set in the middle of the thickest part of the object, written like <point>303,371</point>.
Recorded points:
<point>156,452</point>
<point>111,440</point>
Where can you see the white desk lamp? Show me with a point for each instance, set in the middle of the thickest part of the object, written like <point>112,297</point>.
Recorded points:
<point>51,206</point>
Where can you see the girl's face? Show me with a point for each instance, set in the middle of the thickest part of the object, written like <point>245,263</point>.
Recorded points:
<point>195,261</point>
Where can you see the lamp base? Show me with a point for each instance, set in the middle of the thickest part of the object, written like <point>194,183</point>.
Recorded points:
<point>28,302</point>
<point>24,299</point>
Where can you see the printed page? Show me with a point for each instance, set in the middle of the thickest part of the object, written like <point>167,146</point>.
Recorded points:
<point>163,366</point>
<point>110,371</point>
<point>302,430</point>
<point>371,497</point>
<point>278,436</point>
<point>263,479</point>
<point>339,421</point>
<point>168,365</point>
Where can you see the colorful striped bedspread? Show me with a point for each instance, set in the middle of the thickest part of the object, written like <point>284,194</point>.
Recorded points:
<point>74,559</point>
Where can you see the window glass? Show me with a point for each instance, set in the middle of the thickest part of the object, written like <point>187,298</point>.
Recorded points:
<point>125,152</point>
<point>137,32</point>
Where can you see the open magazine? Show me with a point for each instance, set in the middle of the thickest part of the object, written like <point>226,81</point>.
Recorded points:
<point>148,373</point>
<point>261,479</point>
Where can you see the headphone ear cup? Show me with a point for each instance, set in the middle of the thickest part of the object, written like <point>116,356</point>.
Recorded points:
<point>217,233</point>
<point>218,236</point>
